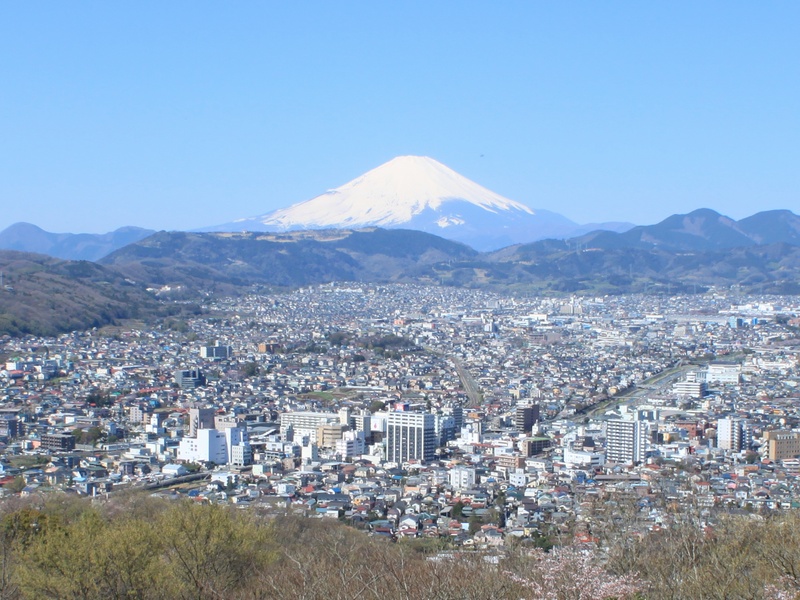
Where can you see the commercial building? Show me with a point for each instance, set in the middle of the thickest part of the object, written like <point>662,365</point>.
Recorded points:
<point>59,442</point>
<point>532,446</point>
<point>329,433</point>
<point>783,444</point>
<point>351,444</point>
<point>190,378</point>
<point>231,446</point>
<point>216,352</point>
<point>297,425</point>
<point>723,372</point>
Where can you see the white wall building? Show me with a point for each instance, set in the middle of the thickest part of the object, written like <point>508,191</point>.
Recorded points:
<point>462,478</point>
<point>208,446</point>
<point>237,441</point>
<point>352,444</point>
<point>231,446</point>
<point>582,458</point>
<point>305,423</point>
<point>722,372</point>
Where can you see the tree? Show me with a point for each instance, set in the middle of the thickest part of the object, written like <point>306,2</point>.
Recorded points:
<point>572,573</point>
<point>475,524</point>
<point>99,398</point>
<point>338,338</point>
<point>16,485</point>
<point>377,406</point>
<point>210,550</point>
<point>751,457</point>
<point>250,369</point>
<point>92,559</point>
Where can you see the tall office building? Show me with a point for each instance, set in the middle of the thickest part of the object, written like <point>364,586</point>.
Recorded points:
<point>525,416</point>
<point>9,426</point>
<point>457,412</point>
<point>782,444</point>
<point>190,378</point>
<point>410,436</point>
<point>625,441</point>
<point>200,418</point>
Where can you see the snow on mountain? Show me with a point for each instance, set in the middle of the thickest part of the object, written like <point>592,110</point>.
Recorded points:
<point>417,192</point>
<point>390,195</point>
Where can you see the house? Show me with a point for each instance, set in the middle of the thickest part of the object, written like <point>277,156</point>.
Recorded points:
<point>173,470</point>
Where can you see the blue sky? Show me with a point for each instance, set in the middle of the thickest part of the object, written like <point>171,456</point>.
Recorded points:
<point>178,115</point>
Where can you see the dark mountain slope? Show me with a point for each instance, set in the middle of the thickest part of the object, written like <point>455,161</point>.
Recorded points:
<point>42,295</point>
<point>296,258</point>
<point>772,226</point>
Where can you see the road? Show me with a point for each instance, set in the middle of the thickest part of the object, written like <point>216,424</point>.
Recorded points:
<point>469,384</point>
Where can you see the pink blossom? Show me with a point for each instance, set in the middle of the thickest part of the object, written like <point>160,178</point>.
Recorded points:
<point>572,573</point>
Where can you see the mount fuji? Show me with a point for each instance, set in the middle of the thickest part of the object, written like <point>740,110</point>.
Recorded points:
<point>420,193</point>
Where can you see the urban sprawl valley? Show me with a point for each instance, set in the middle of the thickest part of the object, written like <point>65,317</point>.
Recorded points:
<point>454,421</point>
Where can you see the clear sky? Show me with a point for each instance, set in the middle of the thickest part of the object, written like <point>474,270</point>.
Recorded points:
<point>179,115</point>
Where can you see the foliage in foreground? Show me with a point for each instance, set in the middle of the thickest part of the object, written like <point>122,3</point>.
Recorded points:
<point>138,547</point>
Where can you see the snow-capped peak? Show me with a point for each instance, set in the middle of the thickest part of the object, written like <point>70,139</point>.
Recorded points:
<point>390,195</point>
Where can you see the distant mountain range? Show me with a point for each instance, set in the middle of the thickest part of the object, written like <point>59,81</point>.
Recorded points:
<point>420,193</point>
<point>702,229</point>
<point>26,237</point>
<point>684,253</point>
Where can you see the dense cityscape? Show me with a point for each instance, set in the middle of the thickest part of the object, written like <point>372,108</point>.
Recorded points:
<point>390,405</point>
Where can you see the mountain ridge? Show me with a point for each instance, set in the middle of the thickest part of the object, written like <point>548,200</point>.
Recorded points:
<point>27,237</point>
<point>696,253</point>
<point>682,254</point>
<point>702,229</point>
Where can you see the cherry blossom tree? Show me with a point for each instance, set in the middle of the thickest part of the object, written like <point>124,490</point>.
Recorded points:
<point>574,573</point>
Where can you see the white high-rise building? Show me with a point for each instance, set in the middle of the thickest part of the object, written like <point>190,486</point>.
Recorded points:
<point>625,441</point>
<point>352,444</point>
<point>410,437</point>
<point>209,445</point>
<point>237,442</point>
<point>732,434</point>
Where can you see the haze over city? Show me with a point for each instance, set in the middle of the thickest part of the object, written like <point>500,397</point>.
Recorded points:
<point>184,115</point>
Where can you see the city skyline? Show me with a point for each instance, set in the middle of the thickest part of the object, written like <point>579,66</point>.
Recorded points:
<point>183,116</point>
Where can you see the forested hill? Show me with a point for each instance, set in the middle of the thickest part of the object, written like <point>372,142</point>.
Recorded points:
<point>141,547</point>
<point>42,295</point>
